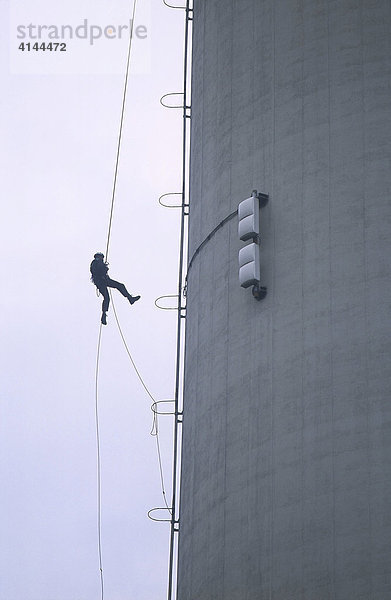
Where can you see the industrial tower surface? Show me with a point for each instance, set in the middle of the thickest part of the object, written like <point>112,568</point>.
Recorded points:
<point>286,460</point>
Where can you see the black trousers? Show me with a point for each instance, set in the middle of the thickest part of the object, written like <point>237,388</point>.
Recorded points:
<point>110,283</point>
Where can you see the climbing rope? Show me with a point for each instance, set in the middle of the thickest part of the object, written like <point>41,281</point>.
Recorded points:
<point>155,428</point>
<point>99,498</point>
<point>120,130</point>
<point>99,495</point>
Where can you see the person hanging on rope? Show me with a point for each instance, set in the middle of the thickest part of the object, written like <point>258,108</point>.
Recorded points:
<point>100,278</point>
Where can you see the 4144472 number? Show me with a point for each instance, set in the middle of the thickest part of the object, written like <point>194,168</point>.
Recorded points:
<point>50,46</point>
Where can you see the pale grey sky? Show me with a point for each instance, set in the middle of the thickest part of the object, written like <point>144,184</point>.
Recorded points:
<point>59,135</point>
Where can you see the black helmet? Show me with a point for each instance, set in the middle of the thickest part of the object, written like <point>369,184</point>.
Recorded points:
<point>99,255</point>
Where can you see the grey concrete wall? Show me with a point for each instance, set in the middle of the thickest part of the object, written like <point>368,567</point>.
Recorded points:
<point>286,466</point>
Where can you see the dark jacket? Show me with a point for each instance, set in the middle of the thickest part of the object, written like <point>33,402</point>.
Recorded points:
<point>98,270</point>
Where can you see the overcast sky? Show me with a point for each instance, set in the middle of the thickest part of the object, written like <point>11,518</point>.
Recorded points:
<point>59,126</point>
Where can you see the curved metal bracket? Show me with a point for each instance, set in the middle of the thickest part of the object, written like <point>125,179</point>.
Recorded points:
<point>189,10</point>
<point>159,520</point>
<point>170,205</point>
<point>166,307</point>
<point>171,6</point>
<point>185,206</point>
<point>171,94</point>
<point>186,108</point>
<point>156,411</point>
<point>181,309</point>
